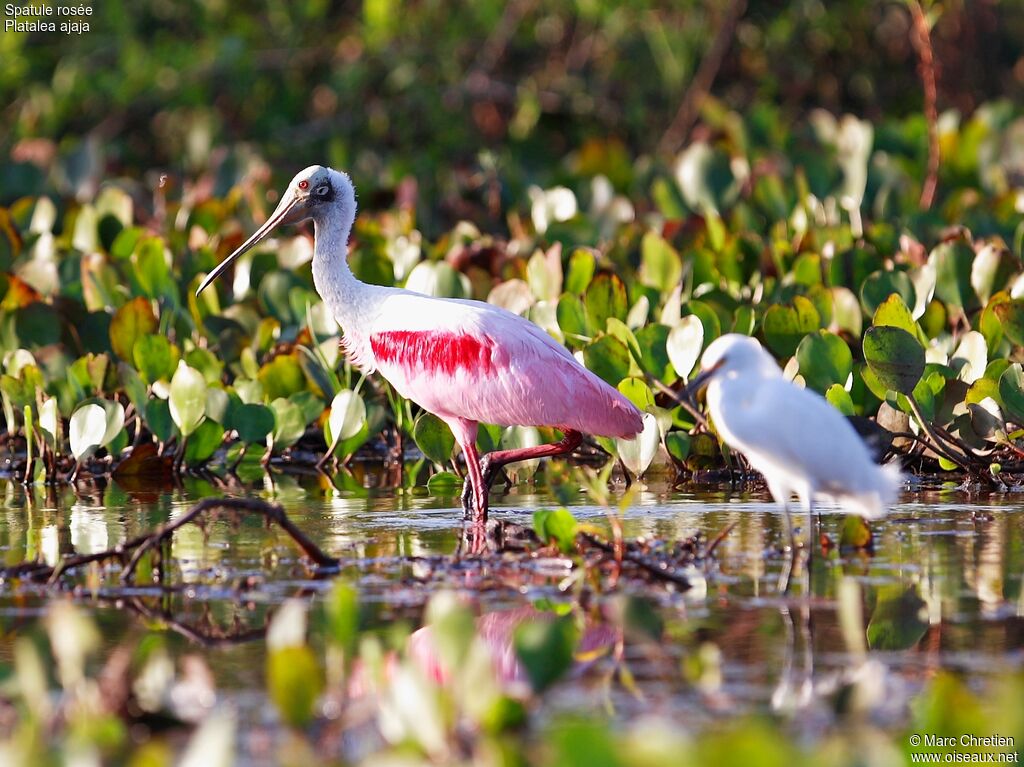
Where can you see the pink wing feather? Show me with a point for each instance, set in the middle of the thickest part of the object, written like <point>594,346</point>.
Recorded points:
<point>496,367</point>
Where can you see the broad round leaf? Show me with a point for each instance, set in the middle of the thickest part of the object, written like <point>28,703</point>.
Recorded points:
<point>684,344</point>
<point>824,359</point>
<point>545,649</point>
<point>434,438</point>
<point>558,526</point>
<point>637,392</point>
<point>636,454</point>
<point>294,682</point>
<point>253,422</point>
<point>953,262</point>
<point>289,422</point>
<point>282,377</point>
<point>153,357</point>
<point>608,358</point>
<point>348,414</point>
<point>785,326</point>
<point>203,442</point>
<point>1011,316</point>
<point>895,357</point>
<point>881,285</point>
<point>86,429</point>
<point>187,398</point>
<point>1011,391</point>
<point>572,320</point>
<point>660,265</point>
<point>606,297</point>
<point>132,321</point>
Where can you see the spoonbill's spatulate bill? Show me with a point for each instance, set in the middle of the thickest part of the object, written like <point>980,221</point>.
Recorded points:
<point>793,436</point>
<point>465,361</point>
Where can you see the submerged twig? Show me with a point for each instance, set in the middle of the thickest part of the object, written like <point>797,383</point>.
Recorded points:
<point>657,569</point>
<point>139,545</point>
<point>272,512</point>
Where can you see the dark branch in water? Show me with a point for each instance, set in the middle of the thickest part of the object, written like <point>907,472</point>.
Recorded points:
<point>658,568</point>
<point>272,512</point>
<point>139,545</point>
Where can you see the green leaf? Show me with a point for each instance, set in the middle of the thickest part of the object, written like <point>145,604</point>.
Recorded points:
<point>824,360</point>
<point>606,297</point>
<point>545,648</point>
<point>678,445</point>
<point>153,357</point>
<point>282,377</point>
<point>36,325</point>
<point>203,442</point>
<point>444,483</point>
<point>652,340</point>
<point>899,619</point>
<point>637,392</point>
<point>133,321</point>
<point>342,607</point>
<point>558,527</point>
<point>158,419</point>
<point>434,438</point>
<point>348,414</point>
<point>1011,392</point>
<point>1011,317</point>
<point>294,682</point>
<point>953,262</point>
<point>253,422</point>
<point>660,265</point>
<point>895,357</point>
<point>608,358</point>
<point>580,272</point>
<point>856,533</point>
<point>187,398</point>
<point>893,312</point>
<point>882,285</point>
<point>785,326</point>
<point>289,422</point>
<point>544,274</point>
<point>840,399</point>
<point>572,320</point>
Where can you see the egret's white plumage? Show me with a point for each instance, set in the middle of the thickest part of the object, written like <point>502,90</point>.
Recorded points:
<point>793,436</point>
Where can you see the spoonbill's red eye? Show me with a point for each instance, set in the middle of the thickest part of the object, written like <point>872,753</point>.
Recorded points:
<point>303,184</point>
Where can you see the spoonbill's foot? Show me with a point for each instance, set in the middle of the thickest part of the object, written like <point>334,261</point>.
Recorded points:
<point>467,500</point>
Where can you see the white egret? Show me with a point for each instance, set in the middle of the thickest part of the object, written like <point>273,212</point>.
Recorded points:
<point>793,436</point>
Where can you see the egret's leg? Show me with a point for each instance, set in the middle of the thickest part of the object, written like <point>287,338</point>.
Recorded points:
<point>492,462</point>
<point>790,563</point>
<point>781,496</point>
<point>807,503</point>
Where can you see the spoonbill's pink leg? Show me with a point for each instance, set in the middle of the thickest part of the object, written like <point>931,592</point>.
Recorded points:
<point>492,463</point>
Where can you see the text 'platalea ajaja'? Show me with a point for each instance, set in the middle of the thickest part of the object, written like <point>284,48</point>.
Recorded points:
<point>465,361</point>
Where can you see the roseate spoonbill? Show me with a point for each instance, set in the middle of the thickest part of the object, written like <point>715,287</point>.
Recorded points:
<point>793,436</point>
<point>464,361</point>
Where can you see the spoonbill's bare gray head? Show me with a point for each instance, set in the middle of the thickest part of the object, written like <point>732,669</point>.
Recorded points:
<point>315,192</point>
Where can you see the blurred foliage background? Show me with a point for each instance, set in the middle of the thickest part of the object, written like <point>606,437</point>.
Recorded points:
<point>473,99</point>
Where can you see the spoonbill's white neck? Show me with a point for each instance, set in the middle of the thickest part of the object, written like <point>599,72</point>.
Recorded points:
<point>351,302</point>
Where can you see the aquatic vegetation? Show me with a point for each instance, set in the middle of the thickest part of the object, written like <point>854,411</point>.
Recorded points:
<point>880,306</point>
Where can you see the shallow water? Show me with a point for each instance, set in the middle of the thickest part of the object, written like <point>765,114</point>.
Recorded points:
<point>941,590</point>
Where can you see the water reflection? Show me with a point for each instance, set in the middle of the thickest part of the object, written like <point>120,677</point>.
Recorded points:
<point>943,588</point>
